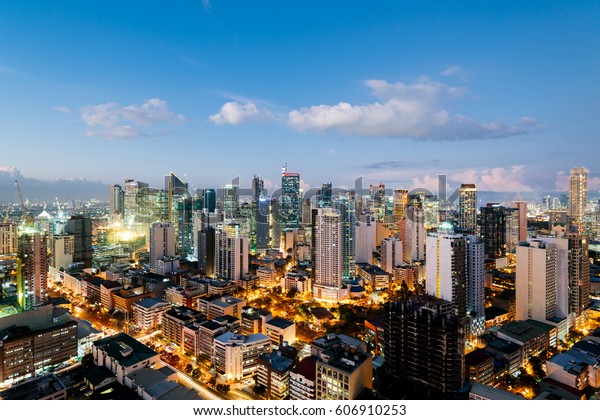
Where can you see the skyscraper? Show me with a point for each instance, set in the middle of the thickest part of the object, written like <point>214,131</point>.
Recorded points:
<point>467,207</point>
<point>116,200</point>
<point>162,243</point>
<point>346,208</point>
<point>290,200</point>
<point>493,230</point>
<point>414,233</point>
<point>231,251</point>
<point>81,229</point>
<point>579,274</point>
<point>475,287</point>
<point>8,238</point>
<point>521,207</point>
<point>327,239</point>
<point>210,200</point>
<point>542,283</point>
<point>446,267</point>
<point>400,198</point>
<point>206,251</point>
<point>186,207</point>
<point>424,347</point>
<point>263,238</point>
<point>32,284</point>
<point>577,193</point>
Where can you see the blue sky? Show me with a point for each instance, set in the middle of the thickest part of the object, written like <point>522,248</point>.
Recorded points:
<point>501,93</point>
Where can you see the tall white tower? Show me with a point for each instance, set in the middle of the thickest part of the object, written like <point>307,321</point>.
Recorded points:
<point>162,242</point>
<point>328,254</point>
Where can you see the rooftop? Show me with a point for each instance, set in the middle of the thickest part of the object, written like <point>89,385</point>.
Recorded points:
<point>280,322</point>
<point>525,331</point>
<point>149,303</point>
<point>34,389</point>
<point>492,393</point>
<point>277,361</point>
<point>125,349</point>
<point>477,357</point>
<point>307,368</point>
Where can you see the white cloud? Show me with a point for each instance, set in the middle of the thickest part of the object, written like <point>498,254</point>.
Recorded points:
<point>120,132</point>
<point>113,121</point>
<point>451,71</point>
<point>10,170</point>
<point>494,179</point>
<point>235,113</point>
<point>63,109</point>
<point>405,111</point>
<point>206,5</point>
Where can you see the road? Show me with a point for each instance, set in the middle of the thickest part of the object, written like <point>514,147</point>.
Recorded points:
<point>204,392</point>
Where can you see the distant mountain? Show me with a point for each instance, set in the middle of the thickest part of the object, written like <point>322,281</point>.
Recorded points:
<point>39,190</point>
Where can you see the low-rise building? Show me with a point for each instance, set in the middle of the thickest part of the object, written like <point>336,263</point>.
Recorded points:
<point>373,276</point>
<point>175,319</point>
<point>479,367</point>
<point>148,313</point>
<point>236,356</point>
<point>159,384</point>
<point>279,330</point>
<point>485,392</point>
<point>578,367</point>
<point>274,374</point>
<point>303,379</point>
<point>48,387</point>
<point>533,336</point>
<point>253,320</point>
<point>122,355</point>
<point>123,299</point>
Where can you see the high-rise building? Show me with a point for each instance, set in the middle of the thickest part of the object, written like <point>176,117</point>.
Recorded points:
<point>32,283</point>
<point>133,191</point>
<point>579,273</point>
<point>210,200</point>
<point>400,198</point>
<point>511,234</point>
<point>391,254</point>
<point>414,234</point>
<point>324,195</point>
<point>542,281</point>
<point>116,200</point>
<point>578,180</point>
<point>290,200</point>
<point>162,243</point>
<point>475,287</point>
<point>446,267</point>
<point>346,208</point>
<point>186,208</point>
<point>263,238</point>
<point>231,251</point>
<point>493,230</point>
<point>365,236</point>
<point>424,347</point>
<point>521,207</point>
<point>81,229</point>
<point>231,201</point>
<point>8,238</point>
<point>467,207</point>
<point>327,238</point>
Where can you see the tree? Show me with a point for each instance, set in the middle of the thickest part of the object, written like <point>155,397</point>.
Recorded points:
<point>189,368</point>
<point>291,293</point>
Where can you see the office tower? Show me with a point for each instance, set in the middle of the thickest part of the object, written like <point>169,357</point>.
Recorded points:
<point>263,238</point>
<point>542,280</point>
<point>414,234</point>
<point>578,180</point>
<point>467,207</point>
<point>511,233</point>
<point>153,206</point>
<point>446,267</point>
<point>116,200</point>
<point>475,287</point>
<point>186,208</point>
<point>391,254</point>
<point>493,230</point>
<point>8,238</point>
<point>327,262</point>
<point>324,195</point>
<point>210,200</point>
<point>231,203</point>
<point>424,347</point>
<point>275,225</point>
<point>579,273</point>
<point>162,243</point>
<point>133,189</point>
<point>365,234</point>
<point>290,200</point>
<point>206,251</point>
<point>63,247</point>
<point>400,199</point>
<point>521,207</point>
<point>231,251</point>
<point>32,283</point>
<point>176,189</point>
<point>81,229</point>
<point>345,207</point>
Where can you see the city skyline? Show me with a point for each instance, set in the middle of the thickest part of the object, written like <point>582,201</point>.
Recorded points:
<point>395,93</point>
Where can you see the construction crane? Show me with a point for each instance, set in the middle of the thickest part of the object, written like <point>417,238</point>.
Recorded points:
<point>25,216</point>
